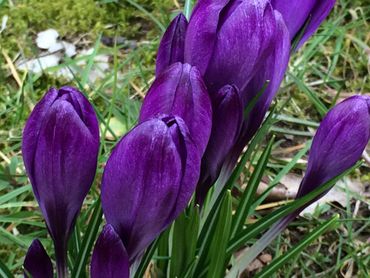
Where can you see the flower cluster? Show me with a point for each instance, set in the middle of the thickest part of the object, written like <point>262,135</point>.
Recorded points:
<point>194,123</point>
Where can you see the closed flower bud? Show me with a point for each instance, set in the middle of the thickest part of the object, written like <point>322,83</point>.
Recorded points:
<point>109,259</point>
<point>60,149</point>
<point>180,91</point>
<point>228,40</point>
<point>171,48</point>
<point>227,120</point>
<point>149,180</point>
<point>339,142</point>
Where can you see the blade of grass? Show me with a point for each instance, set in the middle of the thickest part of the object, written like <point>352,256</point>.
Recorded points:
<point>140,271</point>
<point>220,239</point>
<point>88,240</point>
<point>292,253</point>
<point>244,206</point>
<point>4,271</point>
<point>275,216</point>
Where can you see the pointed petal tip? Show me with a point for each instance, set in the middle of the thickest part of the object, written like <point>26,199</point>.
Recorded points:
<point>37,263</point>
<point>109,259</point>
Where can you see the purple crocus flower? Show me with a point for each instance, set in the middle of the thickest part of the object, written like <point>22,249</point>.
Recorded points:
<point>229,40</point>
<point>180,91</point>
<point>109,259</point>
<point>339,142</point>
<point>272,70</point>
<point>148,180</point>
<point>300,14</point>
<point>37,262</point>
<point>228,117</point>
<point>60,149</point>
<point>171,48</point>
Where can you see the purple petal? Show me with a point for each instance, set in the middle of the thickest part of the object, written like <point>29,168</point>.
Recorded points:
<point>37,262</point>
<point>171,48</point>
<point>202,32</point>
<point>339,142</point>
<point>273,70</point>
<point>227,119</point>
<point>148,180</point>
<point>244,40</point>
<point>318,14</point>
<point>180,91</point>
<point>296,13</point>
<point>60,148</point>
<point>109,259</point>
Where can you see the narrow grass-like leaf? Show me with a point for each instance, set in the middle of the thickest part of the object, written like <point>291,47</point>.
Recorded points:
<point>90,63</point>
<point>280,175</point>
<point>248,196</point>
<point>163,252</point>
<point>4,271</point>
<point>148,14</point>
<point>319,105</point>
<point>88,240</point>
<point>184,241</point>
<point>188,8</point>
<point>15,193</point>
<point>140,271</point>
<point>218,246</point>
<point>277,263</point>
<point>253,230</point>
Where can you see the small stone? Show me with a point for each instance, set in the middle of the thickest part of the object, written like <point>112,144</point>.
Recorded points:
<point>265,258</point>
<point>39,64</point>
<point>47,38</point>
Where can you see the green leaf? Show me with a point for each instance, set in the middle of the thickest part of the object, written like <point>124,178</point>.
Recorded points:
<point>311,94</point>
<point>88,240</point>
<point>148,14</point>
<point>184,241</point>
<point>248,196</point>
<point>15,239</point>
<point>281,174</point>
<point>277,263</point>
<point>15,193</point>
<point>163,251</point>
<point>220,239</point>
<point>188,8</point>
<point>140,272</point>
<point>4,271</point>
<point>241,238</point>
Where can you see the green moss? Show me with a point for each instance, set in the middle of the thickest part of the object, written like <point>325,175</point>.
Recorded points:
<point>74,19</point>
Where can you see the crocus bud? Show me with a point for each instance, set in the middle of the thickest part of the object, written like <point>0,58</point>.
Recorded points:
<point>339,142</point>
<point>109,259</point>
<point>60,149</point>
<point>37,262</point>
<point>228,40</point>
<point>180,91</point>
<point>148,180</point>
<point>271,74</point>
<point>300,14</point>
<point>171,47</point>
<point>227,119</point>
<point>272,71</point>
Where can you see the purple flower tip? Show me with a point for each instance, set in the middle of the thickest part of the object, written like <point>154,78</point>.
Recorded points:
<point>109,259</point>
<point>37,262</point>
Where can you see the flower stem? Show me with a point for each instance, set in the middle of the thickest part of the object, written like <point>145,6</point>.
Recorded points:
<point>61,261</point>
